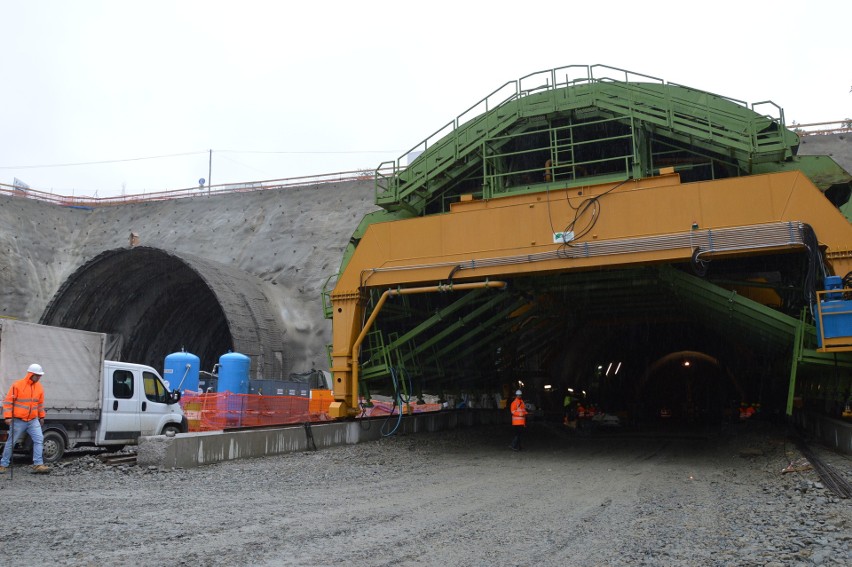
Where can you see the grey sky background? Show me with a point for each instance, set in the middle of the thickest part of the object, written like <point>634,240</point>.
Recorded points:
<point>286,89</point>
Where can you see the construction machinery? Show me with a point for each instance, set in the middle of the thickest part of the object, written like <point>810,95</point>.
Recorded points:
<point>649,242</point>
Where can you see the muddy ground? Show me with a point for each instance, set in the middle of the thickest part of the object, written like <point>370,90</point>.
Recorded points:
<point>450,498</point>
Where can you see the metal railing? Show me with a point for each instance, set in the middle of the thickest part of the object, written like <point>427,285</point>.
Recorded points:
<point>222,189</point>
<point>823,128</point>
<point>618,90</point>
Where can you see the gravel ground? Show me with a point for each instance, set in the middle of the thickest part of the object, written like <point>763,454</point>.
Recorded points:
<point>450,498</point>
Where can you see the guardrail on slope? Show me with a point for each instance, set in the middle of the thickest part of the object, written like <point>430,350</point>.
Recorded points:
<point>225,188</point>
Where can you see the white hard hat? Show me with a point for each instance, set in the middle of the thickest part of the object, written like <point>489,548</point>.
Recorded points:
<point>35,369</point>
<point>518,393</point>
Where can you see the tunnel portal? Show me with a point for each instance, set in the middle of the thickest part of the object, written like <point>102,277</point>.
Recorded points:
<point>152,302</point>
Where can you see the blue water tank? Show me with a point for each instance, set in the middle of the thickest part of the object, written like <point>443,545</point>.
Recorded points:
<point>233,373</point>
<point>180,370</point>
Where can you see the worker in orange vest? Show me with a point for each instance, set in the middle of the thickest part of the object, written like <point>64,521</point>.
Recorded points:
<point>23,410</point>
<point>519,419</point>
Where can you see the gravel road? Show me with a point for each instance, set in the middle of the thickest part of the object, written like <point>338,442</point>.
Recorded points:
<point>449,498</point>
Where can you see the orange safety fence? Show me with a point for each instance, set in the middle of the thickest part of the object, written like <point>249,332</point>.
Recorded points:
<point>215,412</point>
<point>387,408</point>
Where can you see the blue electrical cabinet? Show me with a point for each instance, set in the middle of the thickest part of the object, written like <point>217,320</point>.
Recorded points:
<point>835,321</point>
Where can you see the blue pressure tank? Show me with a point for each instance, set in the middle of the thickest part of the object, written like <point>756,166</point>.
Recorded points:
<point>233,373</point>
<point>180,370</point>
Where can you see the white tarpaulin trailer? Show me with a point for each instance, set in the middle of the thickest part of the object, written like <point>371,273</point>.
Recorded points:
<point>71,360</point>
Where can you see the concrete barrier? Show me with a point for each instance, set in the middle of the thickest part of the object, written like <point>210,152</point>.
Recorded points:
<point>195,449</point>
<point>831,432</point>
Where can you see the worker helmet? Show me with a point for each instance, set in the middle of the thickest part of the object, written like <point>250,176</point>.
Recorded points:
<point>35,369</point>
<point>519,393</point>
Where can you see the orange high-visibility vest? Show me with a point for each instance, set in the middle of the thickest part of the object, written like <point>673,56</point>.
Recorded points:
<point>519,412</point>
<point>25,400</point>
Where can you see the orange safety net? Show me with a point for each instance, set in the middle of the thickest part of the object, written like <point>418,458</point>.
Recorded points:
<point>387,408</point>
<point>214,412</point>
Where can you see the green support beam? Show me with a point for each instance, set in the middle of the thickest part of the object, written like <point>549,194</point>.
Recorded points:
<point>438,317</point>
<point>461,322</point>
<point>472,351</point>
<point>485,326</point>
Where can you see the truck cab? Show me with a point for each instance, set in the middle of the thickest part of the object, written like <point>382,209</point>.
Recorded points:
<point>137,402</point>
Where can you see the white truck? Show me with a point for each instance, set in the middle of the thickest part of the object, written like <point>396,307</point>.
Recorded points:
<point>88,401</point>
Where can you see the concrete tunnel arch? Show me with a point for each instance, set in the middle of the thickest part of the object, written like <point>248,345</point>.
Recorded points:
<point>152,302</point>
<point>678,358</point>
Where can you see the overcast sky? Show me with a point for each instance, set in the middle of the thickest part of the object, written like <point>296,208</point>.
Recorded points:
<point>281,89</point>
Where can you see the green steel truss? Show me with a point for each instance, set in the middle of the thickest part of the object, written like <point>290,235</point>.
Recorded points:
<point>592,123</point>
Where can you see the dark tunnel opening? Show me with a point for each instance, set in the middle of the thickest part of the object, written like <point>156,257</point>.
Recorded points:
<point>149,302</point>
<point>688,387</point>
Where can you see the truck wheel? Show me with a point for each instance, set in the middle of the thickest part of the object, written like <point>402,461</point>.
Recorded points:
<point>170,429</point>
<point>54,446</point>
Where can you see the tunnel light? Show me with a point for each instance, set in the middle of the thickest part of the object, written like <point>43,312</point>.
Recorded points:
<point>608,368</point>
<point>617,368</point>
<point>686,363</point>
<point>600,366</point>
<point>520,384</point>
<point>570,390</point>
<point>547,387</point>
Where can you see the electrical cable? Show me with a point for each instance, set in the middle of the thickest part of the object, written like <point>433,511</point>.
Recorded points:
<point>407,398</point>
<point>815,266</point>
<point>785,234</point>
<point>699,266</point>
<point>396,398</point>
<point>591,202</point>
<point>847,283</point>
<point>100,162</point>
<point>310,152</point>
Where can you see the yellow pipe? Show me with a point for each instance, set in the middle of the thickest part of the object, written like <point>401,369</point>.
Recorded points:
<point>356,346</point>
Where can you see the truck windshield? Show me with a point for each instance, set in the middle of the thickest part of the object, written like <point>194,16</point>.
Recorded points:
<point>154,388</point>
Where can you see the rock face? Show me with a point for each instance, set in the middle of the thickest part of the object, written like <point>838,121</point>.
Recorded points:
<point>836,146</point>
<point>290,239</point>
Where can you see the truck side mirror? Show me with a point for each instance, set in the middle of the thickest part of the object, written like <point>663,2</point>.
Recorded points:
<point>175,397</point>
